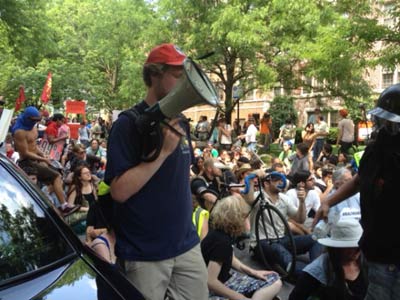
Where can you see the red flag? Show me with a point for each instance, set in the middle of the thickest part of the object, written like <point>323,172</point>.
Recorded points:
<point>46,94</point>
<point>20,99</point>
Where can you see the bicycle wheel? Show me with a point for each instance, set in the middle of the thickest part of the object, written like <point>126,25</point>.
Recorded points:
<point>268,220</point>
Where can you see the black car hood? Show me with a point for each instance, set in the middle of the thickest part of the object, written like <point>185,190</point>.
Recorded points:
<point>75,280</point>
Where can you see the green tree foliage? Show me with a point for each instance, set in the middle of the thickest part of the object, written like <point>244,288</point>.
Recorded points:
<point>260,43</point>
<point>282,109</point>
<point>95,49</point>
<point>234,30</point>
<point>342,45</point>
<point>389,56</point>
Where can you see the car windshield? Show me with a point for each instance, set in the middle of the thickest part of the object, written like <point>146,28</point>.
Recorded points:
<point>29,239</point>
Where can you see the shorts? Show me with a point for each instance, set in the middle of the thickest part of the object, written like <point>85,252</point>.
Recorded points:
<point>245,284</point>
<point>45,174</point>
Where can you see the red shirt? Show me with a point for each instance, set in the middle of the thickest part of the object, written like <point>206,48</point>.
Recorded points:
<point>52,129</point>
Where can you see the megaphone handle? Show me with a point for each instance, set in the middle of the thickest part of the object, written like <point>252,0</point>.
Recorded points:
<point>156,152</point>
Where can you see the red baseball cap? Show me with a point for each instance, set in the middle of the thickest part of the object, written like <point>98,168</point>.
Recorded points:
<point>168,54</point>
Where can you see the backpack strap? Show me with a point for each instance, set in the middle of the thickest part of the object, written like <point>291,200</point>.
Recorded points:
<point>151,142</point>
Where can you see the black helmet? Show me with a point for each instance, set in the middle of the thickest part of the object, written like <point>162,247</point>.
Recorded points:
<point>388,106</point>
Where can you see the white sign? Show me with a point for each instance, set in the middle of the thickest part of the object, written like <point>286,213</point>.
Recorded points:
<point>5,123</point>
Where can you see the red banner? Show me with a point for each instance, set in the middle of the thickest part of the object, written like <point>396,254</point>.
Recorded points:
<point>46,94</point>
<point>75,107</point>
<point>20,99</point>
<point>73,130</point>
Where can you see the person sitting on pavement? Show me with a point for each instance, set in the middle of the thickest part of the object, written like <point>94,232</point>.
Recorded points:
<point>278,252</point>
<point>200,218</point>
<point>52,132</point>
<point>225,271</point>
<point>349,208</point>
<point>301,160</point>
<point>303,180</point>
<point>339,273</point>
<point>327,156</point>
<point>285,154</point>
<point>83,190</point>
<point>100,216</point>
<point>11,153</point>
<point>324,185</point>
<point>212,175</point>
<point>97,157</point>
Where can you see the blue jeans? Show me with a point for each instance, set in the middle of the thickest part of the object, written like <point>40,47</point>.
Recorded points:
<point>319,144</point>
<point>252,146</point>
<point>384,282</point>
<point>276,252</point>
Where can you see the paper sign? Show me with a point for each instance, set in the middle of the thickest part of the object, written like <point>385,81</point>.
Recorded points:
<point>52,151</point>
<point>5,121</point>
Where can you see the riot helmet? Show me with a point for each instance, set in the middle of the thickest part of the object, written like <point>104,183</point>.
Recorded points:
<point>387,111</point>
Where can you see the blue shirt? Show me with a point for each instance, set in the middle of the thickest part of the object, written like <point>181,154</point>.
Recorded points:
<point>156,222</point>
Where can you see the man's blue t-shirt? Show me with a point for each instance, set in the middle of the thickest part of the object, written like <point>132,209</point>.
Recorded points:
<point>156,222</point>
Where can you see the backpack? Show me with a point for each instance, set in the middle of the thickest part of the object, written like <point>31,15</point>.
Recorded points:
<point>287,132</point>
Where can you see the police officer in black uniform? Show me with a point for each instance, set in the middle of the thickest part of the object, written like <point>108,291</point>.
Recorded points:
<point>378,181</point>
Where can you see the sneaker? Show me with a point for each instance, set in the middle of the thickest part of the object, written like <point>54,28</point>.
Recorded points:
<point>66,211</point>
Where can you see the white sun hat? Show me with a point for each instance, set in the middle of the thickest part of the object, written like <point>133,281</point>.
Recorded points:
<point>344,234</point>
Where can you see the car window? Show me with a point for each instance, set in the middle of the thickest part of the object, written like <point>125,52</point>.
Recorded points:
<point>28,238</point>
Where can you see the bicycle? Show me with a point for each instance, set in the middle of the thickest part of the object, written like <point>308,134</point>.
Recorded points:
<point>265,211</point>
<point>268,227</point>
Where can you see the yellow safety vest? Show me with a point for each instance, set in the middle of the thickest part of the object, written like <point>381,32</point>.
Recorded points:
<point>357,157</point>
<point>198,216</point>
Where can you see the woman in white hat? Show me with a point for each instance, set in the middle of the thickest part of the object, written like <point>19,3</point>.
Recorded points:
<point>338,273</point>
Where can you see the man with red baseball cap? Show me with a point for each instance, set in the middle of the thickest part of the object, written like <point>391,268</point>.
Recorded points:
<point>157,244</point>
<point>168,54</point>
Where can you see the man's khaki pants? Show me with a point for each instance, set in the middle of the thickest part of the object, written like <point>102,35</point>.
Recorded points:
<point>181,277</point>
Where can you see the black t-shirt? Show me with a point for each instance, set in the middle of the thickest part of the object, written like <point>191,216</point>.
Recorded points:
<point>307,286</point>
<point>212,184</point>
<point>217,246</point>
<point>380,205</point>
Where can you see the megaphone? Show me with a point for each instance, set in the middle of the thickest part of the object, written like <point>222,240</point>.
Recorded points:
<point>193,88</point>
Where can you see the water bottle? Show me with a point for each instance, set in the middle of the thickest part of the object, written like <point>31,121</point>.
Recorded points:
<point>321,230</point>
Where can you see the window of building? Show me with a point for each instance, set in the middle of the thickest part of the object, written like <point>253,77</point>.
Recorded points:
<point>334,118</point>
<point>278,91</point>
<point>388,19</point>
<point>307,85</point>
<point>387,80</point>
